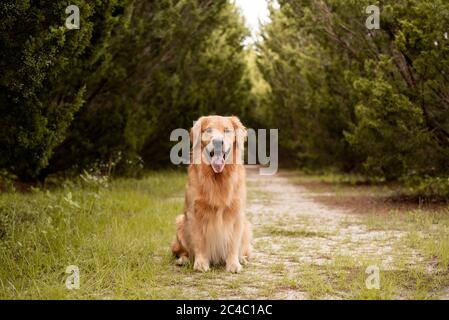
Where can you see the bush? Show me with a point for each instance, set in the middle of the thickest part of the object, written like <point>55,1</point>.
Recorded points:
<point>370,101</point>
<point>44,71</point>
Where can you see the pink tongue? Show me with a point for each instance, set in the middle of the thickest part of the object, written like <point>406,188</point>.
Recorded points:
<point>218,163</point>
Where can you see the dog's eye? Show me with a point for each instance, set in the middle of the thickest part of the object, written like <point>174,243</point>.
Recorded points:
<point>227,130</point>
<point>209,130</point>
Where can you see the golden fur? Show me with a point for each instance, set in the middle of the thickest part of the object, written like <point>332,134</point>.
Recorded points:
<point>213,228</point>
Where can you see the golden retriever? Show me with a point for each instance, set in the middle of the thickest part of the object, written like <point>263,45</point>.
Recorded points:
<point>214,229</point>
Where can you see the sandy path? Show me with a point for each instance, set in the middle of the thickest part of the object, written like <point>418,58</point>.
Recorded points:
<point>296,239</point>
<point>293,231</point>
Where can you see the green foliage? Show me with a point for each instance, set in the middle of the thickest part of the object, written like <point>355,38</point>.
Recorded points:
<point>44,66</point>
<point>105,97</point>
<point>305,83</point>
<point>373,101</point>
<point>209,79</point>
<point>427,188</point>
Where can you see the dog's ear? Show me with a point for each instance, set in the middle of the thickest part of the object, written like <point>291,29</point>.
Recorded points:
<point>195,139</point>
<point>239,127</point>
<point>240,137</point>
<point>195,132</point>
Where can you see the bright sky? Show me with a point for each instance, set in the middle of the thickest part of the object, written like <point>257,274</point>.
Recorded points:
<point>254,11</point>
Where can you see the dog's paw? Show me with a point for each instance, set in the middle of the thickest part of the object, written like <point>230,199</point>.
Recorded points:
<point>244,260</point>
<point>182,261</point>
<point>234,267</point>
<point>201,265</point>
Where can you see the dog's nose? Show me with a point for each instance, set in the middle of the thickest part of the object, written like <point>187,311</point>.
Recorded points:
<point>218,145</point>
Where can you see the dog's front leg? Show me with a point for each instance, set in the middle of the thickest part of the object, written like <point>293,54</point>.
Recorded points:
<point>232,258</point>
<point>199,251</point>
<point>201,263</point>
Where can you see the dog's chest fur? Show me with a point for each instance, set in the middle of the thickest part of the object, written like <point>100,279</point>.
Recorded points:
<point>218,236</point>
<point>219,193</point>
<point>219,225</point>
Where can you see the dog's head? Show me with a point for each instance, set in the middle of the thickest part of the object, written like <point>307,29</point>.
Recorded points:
<point>218,141</point>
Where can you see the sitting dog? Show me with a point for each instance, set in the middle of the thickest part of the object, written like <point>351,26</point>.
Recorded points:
<point>214,229</point>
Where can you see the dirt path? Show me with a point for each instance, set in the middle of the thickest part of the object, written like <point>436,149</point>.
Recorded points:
<point>293,231</point>
<point>302,248</point>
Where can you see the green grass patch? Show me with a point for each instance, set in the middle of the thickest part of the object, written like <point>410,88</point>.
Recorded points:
<point>295,233</point>
<point>117,234</point>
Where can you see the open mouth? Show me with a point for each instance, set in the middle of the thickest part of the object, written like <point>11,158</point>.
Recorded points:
<point>218,159</point>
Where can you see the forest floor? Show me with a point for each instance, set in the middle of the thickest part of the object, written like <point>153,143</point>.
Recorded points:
<point>315,237</point>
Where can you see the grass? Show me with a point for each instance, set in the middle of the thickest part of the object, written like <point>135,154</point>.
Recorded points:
<point>118,233</point>
<point>297,232</point>
<point>421,230</point>
<point>425,230</point>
